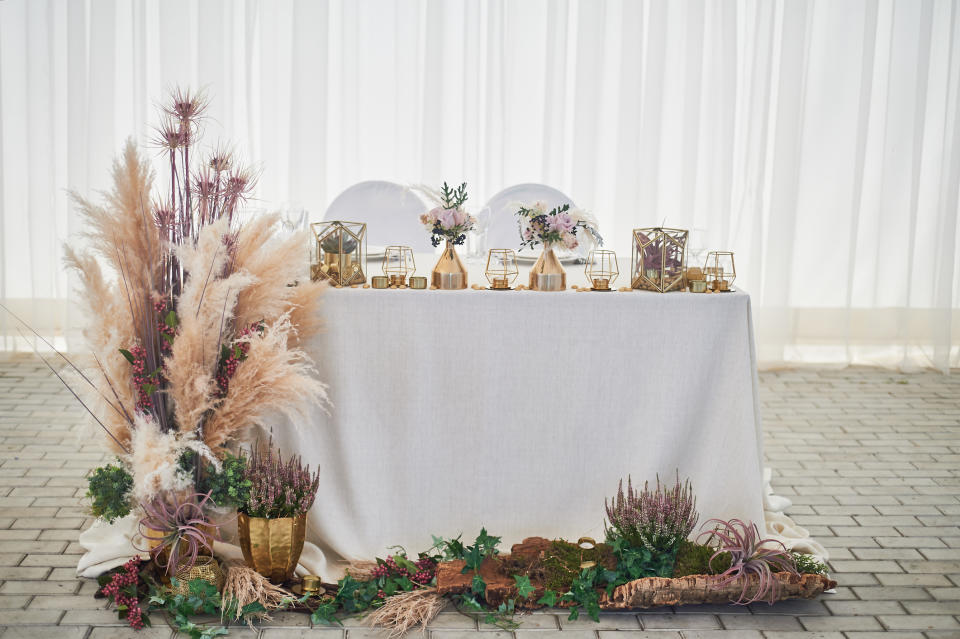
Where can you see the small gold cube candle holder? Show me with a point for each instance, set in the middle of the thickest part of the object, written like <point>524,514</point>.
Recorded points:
<point>339,252</point>
<point>418,282</point>
<point>398,264</point>
<point>380,281</point>
<point>502,270</point>
<point>602,269</point>
<point>658,259</point>
<point>720,271</point>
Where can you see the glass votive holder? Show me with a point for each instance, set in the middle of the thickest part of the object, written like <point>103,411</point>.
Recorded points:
<point>602,269</point>
<point>502,270</point>
<point>398,264</point>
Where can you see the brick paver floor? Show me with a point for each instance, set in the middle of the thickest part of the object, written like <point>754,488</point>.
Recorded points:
<point>870,458</point>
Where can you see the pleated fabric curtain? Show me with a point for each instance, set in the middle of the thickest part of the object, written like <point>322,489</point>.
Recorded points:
<point>816,139</point>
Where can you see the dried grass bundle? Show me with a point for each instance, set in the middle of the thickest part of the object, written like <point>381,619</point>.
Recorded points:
<point>244,586</point>
<point>272,379</point>
<point>403,611</point>
<point>361,569</point>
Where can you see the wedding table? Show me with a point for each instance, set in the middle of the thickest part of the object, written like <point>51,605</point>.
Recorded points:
<point>520,411</point>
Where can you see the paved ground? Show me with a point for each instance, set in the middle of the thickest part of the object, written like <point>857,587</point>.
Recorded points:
<point>870,458</point>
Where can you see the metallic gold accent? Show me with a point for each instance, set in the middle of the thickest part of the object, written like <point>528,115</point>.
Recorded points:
<point>548,274</point>
<point>380,281</point>
<point>398,264</point>
<point>658,259</point>
<point>272,547</point>
<point>698,286</point>
<point>602,269</point>
<point>418,282</point>
<point>205,568</point>
<point>449,273</point>
<point>339,252</point>
<point>720,270</point>
<point>586,543</point>
<point>310,584</point>
<point>501,269</point>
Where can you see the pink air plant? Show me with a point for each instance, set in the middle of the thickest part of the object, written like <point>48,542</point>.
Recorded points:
<point>749,555</point>
<point>180,527</point>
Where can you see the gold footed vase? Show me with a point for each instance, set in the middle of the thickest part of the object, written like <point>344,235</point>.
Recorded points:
<point>449,273</point>
<point>272,547</point>
<point>548,274</point>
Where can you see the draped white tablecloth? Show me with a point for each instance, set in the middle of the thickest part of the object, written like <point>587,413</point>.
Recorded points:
<point>520,411</point>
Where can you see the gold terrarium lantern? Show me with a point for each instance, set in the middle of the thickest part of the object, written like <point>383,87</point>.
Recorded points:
<point>658,259</point>
<point>601,269</point>
<point>398,264</point>
<point>339,252</point>
<point>720,271</point>
<point>501,269</point>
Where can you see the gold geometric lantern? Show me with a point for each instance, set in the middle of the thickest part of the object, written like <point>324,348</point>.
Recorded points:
<point>398,264</point>
<point>658,259</point>
<point>339,252</point>
<point>601,269</point>
<point>501,269</point>
<point>719,270</point>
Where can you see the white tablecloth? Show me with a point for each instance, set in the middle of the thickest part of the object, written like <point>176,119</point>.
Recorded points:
<point>520,411</point>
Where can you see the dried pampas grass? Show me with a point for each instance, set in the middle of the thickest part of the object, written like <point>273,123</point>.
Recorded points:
<point>153,460</point>
<point>272,379</point>
<point>361,569</point>
<point>403,611</point>
<point>244,586</point>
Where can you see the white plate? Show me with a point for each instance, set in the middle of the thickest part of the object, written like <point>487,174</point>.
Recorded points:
<point>565,257</point>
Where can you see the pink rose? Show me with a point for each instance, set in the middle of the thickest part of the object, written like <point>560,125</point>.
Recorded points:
<point>569,240</point>
<point>447,218</point>
<point>459,216</point>
<point>561,222</point>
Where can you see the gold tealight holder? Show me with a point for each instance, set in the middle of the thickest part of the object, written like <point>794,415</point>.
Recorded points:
<point>418,282</point>
<point>380,281</point>
<point>310,584</point>
<point>501,269</point>
<point>586,543</point>
<point>339,252</point>
<point>398,264</point>
<point>719,271</point>
<point>601,269</point>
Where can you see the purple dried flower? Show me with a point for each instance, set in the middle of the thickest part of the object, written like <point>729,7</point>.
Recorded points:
<point>749,555</point>
<point>658,521</point>
<point>280,489</point>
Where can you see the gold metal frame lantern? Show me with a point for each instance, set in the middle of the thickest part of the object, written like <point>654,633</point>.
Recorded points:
<point>658,259</point>
<point>398,264</point>
<point>339,252</point>
<point>602,269</point>
<point>501,269</point>
<point>719,270</point>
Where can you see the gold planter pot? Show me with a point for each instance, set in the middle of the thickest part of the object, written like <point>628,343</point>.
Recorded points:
<point>206,568</point>
<point>548,274</point>
<point>449,273</point>
<point>272,547</point>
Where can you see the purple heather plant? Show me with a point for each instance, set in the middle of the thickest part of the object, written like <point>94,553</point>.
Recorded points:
<point>749,555</point>
<point>279,489</point>
<point>180,527</point>
<point>657,520</point>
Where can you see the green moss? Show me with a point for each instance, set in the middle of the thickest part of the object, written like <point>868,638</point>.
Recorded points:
<point>808,565</point>
<point>694,559</point>
<point>562,562</point>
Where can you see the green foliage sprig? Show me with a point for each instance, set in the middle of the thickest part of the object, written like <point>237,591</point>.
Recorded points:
<point>108,488</point>
<point>229,487</point>
<point>203,599</point>
<point>453,198</point>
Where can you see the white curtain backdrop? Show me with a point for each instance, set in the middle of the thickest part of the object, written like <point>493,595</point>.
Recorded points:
<point>816,139</point>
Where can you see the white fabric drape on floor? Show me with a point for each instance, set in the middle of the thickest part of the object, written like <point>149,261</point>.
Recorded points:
<point>817,139</point>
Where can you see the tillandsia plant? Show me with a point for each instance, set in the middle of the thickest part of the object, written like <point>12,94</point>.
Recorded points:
<point>180,528</point>
<point>448,221</point>
<point>279,489</point>
<point>749,555</point>
<point>555,227</point>
<point>658,520</point>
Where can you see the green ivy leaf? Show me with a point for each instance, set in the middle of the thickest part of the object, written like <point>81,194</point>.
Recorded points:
<point>549,598</point>
<point>478,586</point>
<point>524,587</point>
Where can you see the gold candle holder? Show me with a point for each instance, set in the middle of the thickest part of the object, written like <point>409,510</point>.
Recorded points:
<point>501,269</point>
<point>698,286</point>
<point>310,584</point>
<point>602,269</point>
<point>658,259</point>
<point>398,264</point>
<point>339,252</point>
<point>380,281</point>
<point>418,282</point>
<point>720,270</point>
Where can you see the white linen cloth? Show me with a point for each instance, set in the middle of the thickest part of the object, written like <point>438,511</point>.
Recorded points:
<point>520,411</point>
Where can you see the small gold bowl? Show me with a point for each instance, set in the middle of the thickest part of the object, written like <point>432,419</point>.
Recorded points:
<point>380,281</point>
<point>418,282</point>
<point>698,286</point>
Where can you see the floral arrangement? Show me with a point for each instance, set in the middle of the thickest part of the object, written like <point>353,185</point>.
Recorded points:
<point>749,555</point>
<point>195,331</point>
<point>279,489</point>
<point>181,529</point>
<point>556,227</point>
<point>658,520</point>
<point>448,221</point>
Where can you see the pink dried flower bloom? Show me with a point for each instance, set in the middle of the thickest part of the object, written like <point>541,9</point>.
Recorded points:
<point>280,489</point>
<point>186,106</point>
<point>657,520</point>
<point>172,135</point>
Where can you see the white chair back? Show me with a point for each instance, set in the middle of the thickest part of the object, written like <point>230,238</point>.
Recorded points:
<point>504,231</point>
<point>391,212</point>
